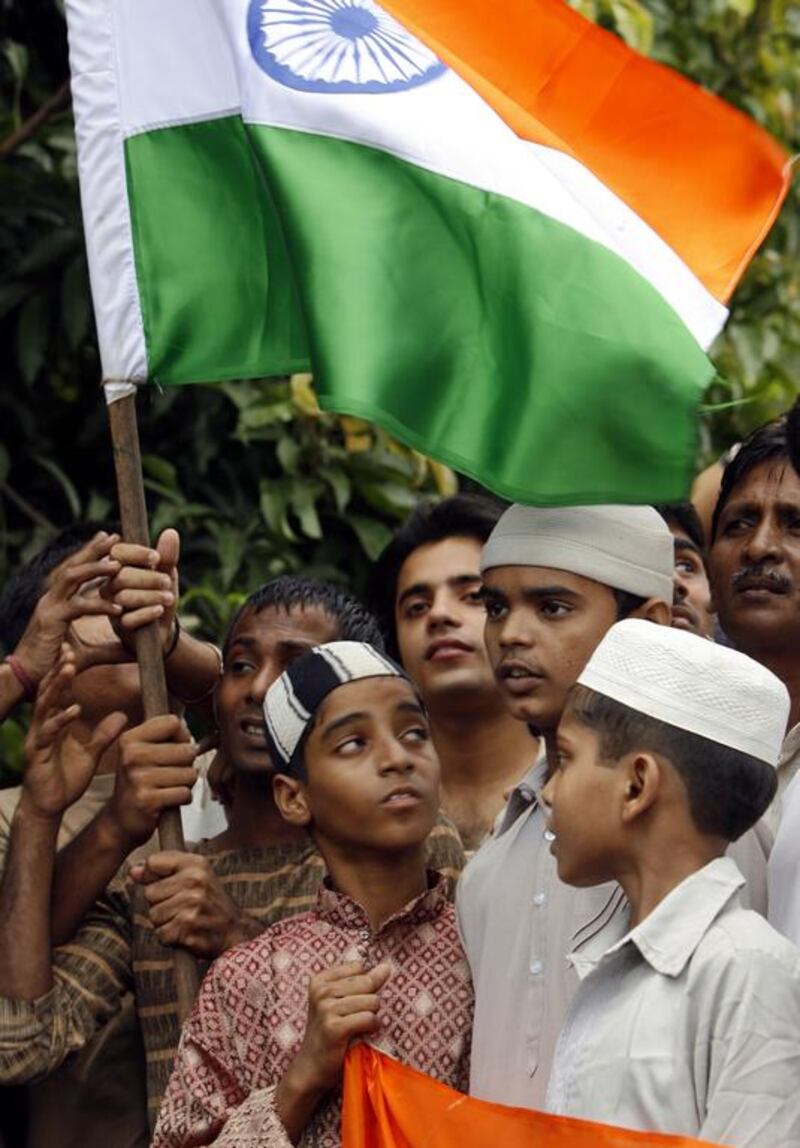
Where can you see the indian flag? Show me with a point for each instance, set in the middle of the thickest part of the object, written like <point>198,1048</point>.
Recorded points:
<point>489,227</point>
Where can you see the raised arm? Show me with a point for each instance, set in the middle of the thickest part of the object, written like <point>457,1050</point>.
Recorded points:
<point>145,589</point>
<point>57,771</point>
<point>155,772</point>
<point>39,647</point>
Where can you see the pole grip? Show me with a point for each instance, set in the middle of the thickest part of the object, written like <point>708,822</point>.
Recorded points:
<point>149,655</point>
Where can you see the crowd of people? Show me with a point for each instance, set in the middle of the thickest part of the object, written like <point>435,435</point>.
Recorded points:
<point>529,822</point>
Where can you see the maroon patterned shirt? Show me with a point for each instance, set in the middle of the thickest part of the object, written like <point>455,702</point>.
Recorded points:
<point>249,1019</point>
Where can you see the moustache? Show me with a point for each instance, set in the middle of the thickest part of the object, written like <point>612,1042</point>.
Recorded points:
<point>763,576</point>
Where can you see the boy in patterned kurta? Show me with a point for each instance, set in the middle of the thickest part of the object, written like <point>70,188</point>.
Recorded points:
<point>260,1060</point>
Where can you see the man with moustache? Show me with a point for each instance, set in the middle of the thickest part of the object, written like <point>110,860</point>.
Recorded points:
<point>754,563</point>
<point>205,900</point>
<point>428,586</point>
<point>755,578</point>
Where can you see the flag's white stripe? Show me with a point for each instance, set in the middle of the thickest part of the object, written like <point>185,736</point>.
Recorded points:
<point>174,64</point>
<point>104,200</point>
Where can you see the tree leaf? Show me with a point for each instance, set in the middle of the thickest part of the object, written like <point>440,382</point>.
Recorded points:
<point>372,534</point>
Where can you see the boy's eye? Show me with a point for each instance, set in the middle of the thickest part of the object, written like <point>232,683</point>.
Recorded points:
<point>417,734</point>
<point>554,609</point>
<point>495,609</point>
<point>240,666</point>
<point>350,746</point>
<point>476,597</point>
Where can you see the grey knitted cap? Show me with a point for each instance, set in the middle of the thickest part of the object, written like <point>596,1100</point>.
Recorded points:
<point>625,547</point>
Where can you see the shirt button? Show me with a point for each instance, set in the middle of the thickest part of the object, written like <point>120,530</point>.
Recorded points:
<point>363,935</point>
<point>536,967</point>
<point>539,900</point>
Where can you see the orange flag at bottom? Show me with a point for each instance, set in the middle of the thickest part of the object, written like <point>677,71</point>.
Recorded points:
<point>389,1105</point>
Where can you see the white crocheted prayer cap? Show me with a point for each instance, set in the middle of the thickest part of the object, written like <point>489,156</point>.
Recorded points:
<point>624,547</point>
<point>693,684</point>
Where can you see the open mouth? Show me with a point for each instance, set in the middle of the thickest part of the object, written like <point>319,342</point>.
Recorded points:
<point>446,649</point>
<point>253,730</point>
<point>684,618</point>
<point>517,677</point>
<point>403,798</point>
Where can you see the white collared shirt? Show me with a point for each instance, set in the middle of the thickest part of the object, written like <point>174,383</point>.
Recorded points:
<point>688,1024</point>
<point>784,862</point>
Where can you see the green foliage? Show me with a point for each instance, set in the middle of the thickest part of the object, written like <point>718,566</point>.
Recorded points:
<point>255,478</point>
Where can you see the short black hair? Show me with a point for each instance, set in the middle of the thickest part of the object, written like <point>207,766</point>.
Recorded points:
<point>27,585</point>
<point>766,443</point>
<point>728,790</point>
<point>291,592</point>
<point>684,516</point>
<point>459,516</point>
<point>626,602</point>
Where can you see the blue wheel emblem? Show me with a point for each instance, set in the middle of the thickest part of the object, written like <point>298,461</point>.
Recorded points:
<point>337,46</point>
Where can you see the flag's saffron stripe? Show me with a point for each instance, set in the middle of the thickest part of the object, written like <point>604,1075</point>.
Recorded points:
<point>390,1105</point>
<point>431,306</point>
<point>709,180</point>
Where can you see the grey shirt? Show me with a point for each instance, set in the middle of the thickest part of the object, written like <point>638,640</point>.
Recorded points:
<point>518,923</point>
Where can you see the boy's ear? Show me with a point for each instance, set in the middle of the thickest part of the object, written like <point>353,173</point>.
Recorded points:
<point>642,784</point>
<point>654,610</point>
<point>290,798</point>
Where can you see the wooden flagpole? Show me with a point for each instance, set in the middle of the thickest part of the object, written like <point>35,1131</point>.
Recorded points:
<point>149,654</point>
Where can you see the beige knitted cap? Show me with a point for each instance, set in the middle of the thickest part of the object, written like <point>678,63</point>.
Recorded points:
<point>625,547</point>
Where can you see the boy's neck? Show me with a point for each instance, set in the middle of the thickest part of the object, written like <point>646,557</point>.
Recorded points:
<point>253,818</point>
<point>381,883</point>
<point>482,755</point>
<point>659,868</point>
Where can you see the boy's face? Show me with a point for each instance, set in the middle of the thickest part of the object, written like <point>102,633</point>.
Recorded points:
<point>584,799</point>
<point>439,619</point>
<point>262,645</point>
<point>542,626</point>
<point>372,772</point>
<point>691,606</point>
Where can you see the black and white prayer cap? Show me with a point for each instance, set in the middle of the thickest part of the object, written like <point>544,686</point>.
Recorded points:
<point>293,700</point>
<point>692,684</point>
<point>624,547</point>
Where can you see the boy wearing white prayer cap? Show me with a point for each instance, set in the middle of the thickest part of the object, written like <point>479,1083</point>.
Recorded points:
<point>687,1020</point>
<point>555,581</point>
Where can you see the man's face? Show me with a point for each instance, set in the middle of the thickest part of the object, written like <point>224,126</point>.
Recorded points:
<point>583,795</point>
<point>542,626</point>
<point>373,774</point>
<point>691,604</point>
<point>439,620</point>
<point>262,645</point>
<point>755,561</point>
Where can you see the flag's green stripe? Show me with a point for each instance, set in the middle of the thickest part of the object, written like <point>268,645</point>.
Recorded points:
<point>215,286</point>
<point>476,329</point>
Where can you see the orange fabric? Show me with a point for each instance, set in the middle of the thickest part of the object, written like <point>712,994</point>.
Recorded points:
<point>388,1105</point>
<point>706,178</point>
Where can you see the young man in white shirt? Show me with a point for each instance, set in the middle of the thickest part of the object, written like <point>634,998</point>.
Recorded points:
<point>687,1020</point>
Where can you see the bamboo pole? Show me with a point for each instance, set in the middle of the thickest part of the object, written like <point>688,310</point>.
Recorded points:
<point>133,515</point>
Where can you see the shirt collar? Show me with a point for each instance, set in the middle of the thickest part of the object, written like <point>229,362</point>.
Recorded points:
<point>342,911</point>
<point>791,746</point>
<point>668,937</point>
<point>523,795</point>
